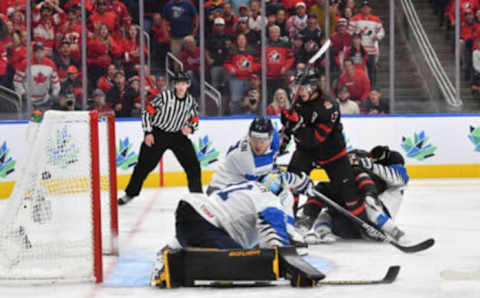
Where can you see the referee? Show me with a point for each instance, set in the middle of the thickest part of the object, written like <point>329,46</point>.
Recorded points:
<point>167,121</point>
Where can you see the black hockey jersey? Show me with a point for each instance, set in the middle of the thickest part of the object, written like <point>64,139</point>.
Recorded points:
<point>321,133</point>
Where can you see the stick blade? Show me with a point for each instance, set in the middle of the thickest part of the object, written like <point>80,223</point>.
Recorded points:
<point>415,248</point>
<point>391,275</point>
<point>389,278</point>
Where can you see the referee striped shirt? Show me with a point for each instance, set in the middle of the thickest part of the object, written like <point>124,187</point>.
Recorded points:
<point>169,113</point>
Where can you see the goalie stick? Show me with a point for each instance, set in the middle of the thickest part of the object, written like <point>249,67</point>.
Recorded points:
<point>374,230</point>
<point>389,278</point>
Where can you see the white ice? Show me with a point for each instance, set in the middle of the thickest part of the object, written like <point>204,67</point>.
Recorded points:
<point>447,210</point>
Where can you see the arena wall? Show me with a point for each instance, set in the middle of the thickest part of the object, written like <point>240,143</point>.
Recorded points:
<point>434,146</point>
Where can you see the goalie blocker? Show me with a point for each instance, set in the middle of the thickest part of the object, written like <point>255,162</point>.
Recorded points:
<point>189,267</point>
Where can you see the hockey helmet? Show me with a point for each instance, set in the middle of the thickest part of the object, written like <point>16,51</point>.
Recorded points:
<point>261,128</point>
<point>181,76</point>
<point>311,78</point>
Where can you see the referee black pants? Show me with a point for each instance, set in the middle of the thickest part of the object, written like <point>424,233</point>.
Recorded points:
<point>149,157</point>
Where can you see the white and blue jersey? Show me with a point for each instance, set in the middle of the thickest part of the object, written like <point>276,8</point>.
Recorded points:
<point>242,164</point>
<point>396,180</point>
<point>248,212</point>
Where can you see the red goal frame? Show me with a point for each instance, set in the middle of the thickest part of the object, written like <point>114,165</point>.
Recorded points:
<point>109,116</point>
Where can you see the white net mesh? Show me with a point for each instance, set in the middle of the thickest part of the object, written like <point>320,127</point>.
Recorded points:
<point>46,232</point>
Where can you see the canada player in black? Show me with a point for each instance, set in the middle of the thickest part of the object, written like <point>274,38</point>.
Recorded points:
<point>381,179</point>
<point>314,123</point>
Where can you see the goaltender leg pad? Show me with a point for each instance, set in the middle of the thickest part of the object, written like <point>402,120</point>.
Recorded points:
<point>185,266</point>
<point>296,269</point>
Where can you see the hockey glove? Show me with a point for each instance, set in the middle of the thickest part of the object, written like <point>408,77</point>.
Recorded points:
<point>292,120</point>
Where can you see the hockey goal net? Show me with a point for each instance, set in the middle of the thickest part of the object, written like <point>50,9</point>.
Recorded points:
<point>62,213</point>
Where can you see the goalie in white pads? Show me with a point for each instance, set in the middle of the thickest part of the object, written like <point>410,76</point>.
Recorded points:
<point>249,158</point>
<point>245,215</point>
<point>381,178</point>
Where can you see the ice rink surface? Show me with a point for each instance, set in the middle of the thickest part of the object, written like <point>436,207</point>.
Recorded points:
<point>447,210</point>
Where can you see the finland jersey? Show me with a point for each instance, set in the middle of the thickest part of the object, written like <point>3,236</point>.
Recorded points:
<point>241,164</point>
<point>247,211</point>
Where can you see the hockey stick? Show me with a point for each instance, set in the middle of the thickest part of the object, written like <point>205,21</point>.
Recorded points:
<point>389,278</point>
<point>311,61</point>
<point>374,230</point>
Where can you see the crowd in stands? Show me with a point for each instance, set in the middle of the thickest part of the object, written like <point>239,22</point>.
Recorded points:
<point>469,36</point>
<point>295,31</point>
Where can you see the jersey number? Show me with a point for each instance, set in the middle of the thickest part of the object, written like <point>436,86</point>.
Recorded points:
<point>224,194</point>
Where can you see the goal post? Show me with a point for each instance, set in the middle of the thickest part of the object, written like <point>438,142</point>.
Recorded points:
<point>62,214</point>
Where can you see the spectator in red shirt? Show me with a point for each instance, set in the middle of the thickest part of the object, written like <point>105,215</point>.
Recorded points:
<point>160,40</point>
<point>103,16</point>
<point>355,80</point>
<point>71,30</point>
<point>19,52</point>
<point>101,49</point>
<point>340,39</point>
<point>44,22</point>
<point>106,82</point>
<point>190,57</point>
<point>7,6</point>
<point>240,65</point>
<point>465,7</point>
<point>123,16</point>
<point>230,18</point>
<point>280,59</point>
<point>131,51</point>
<point>280,102</point>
